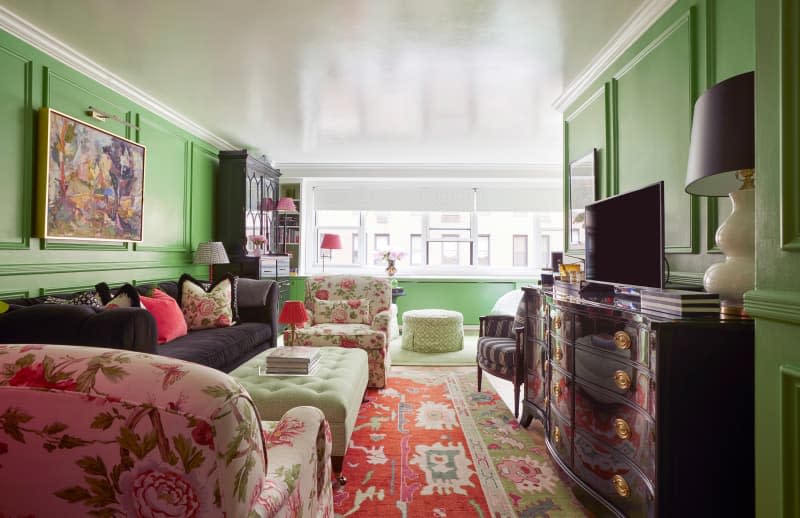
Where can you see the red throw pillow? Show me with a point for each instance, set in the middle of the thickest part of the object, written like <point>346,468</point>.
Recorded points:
<point>170,323</point>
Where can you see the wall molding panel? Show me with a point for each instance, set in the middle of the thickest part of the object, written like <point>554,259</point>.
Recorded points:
<point>789,85</point>
<point>790,437</point>
<point>778,305</point>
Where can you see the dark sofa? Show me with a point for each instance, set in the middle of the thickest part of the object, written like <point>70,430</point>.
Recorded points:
<point>134,329</point>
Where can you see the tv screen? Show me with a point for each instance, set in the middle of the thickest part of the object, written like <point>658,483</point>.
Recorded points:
<point>625,238</point>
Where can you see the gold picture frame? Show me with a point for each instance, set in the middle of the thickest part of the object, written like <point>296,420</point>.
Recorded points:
<point>90,182</point>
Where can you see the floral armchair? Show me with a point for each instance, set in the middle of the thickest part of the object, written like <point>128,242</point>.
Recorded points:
<point>103,432</point>
<point>351,311</point>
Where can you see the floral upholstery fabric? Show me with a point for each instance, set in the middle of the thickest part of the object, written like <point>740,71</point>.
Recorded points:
<point>206,309</point>
<point>353,311</point>
<point>372,335</point>
<point>133,434</point>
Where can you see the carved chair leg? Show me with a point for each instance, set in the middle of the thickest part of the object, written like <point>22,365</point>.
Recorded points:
<point>337,463</point>
<point>480,377</point>
<point>516,399</point>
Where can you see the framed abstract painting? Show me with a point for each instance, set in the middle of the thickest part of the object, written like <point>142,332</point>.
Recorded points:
<point>90,182</point>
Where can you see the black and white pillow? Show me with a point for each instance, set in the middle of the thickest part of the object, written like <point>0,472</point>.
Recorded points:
<point>125,296</point>
<point>86,298</point>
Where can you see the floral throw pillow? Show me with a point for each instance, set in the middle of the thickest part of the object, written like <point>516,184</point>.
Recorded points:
<point>206,307</point>
<point>352,311</point>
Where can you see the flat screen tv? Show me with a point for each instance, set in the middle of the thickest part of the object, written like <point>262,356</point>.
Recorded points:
<point>625,238</point>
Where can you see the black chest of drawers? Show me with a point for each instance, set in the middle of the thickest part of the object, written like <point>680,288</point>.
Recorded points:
<point>652,416</point>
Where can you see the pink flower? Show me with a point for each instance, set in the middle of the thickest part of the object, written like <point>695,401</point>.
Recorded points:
<point>161,493</point>
<point>321,294</point>
<point>222,321</point>
<point>205,307</point>
<point>285,432</point>
<point>347,284</point>
<point>339,314</point>
<point>33,376</point>
<point>354,303</point>
<point>348,343</point>
<point>203,434</point>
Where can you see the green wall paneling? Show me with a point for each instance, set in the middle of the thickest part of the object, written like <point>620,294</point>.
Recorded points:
<point>16,145</point>
<point>788,89</point>
<point>204,166</point>
<point>297,288</point>
<point>660,81</point>
<point>166,172</point>
<point>14,294</point>
<point>584,129</point>
<point>179,182</point>
<point>790,438</point>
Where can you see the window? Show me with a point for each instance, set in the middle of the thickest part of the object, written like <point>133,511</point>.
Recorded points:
<point>415,250</point>
<point>347,225</point>
<point>520,252</point>
<point>544,259</point>
<point>354,237</point>
<point>483,250</point>
<point>381,243</point>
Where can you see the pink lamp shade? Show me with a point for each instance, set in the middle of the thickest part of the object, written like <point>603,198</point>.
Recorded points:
<point>286,204</point>
<point>293,312</point>
<point>331,242</point>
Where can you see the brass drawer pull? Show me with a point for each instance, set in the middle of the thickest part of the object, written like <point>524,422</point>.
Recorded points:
<point>621,486</point>
<point>556,390</point>
<point>622,428</point>
<point>622,380</point>
<point>622,340</point>
<point>557,322</point>
<point>559,354</point>
<point>557,435</point>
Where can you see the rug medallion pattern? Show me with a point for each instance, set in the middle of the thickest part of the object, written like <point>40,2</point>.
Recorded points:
<point>429,444</point>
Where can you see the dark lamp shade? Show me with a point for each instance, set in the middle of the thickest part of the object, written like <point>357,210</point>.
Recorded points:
<point>211,252</point>
<point>293,312</point>
<point>331,242</point>
<point>286,204</point>
<point>723,137</point>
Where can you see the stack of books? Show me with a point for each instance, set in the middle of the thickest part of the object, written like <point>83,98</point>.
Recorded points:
<point>680,303</point>
<point>297,361</point>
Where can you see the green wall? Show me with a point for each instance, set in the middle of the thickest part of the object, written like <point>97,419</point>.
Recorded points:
<point>179,179</point>
<point>471,297</point>
<point>775,303</point>
<point>638,114</point>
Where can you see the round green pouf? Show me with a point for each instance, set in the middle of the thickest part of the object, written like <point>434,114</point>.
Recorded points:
<point>433,331</point>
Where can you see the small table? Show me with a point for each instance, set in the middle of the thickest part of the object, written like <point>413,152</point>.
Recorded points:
<point>433,331</point>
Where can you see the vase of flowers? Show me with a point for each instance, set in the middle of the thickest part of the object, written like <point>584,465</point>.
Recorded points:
<point>391,256</point>
<point>258,244</point>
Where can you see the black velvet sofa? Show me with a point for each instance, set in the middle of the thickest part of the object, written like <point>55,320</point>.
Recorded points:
<point>134,329</point>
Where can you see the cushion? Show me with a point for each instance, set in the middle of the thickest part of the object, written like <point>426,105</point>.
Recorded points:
<point>170,323</point>
<point>205,306</point>
<point>126,296</point>
<point>352,311</point>
<point>87,298</point>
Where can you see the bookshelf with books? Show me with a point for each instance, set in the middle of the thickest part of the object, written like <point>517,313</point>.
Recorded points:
<point>289,224</point>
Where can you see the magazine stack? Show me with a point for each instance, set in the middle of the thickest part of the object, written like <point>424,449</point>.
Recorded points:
<point>297,361</point>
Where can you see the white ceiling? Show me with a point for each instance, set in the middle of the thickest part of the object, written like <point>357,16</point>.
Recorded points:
<point>350,81</point>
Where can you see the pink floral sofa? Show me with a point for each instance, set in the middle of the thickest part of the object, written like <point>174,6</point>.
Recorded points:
<point>351,311</point>
<point>103,432</point>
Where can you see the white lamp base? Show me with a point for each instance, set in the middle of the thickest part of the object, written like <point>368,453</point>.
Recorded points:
<point>736,238</point>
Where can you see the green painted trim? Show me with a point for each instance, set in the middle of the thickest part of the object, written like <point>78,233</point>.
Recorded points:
<point>790,438</point>
<point>788,86</point>
<point>692,278</point>
<point>712,222</point>
<point>27,170</point>
<point>712,205</point>
<point>66,289</point>
<point>783,306</point>
<point>50,268</point>
<point>613,172</point>
<point>565,187</point>
<point>610,170</point>
<point>55,244</point>
<point>138,282</point>
<point>15,294</point>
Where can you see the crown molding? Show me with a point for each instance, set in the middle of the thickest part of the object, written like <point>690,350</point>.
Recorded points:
<point>37,38</point>
<point>641,20</point>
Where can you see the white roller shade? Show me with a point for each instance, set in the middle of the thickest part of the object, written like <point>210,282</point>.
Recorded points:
<point>393,196</point>
<point>520,198</point>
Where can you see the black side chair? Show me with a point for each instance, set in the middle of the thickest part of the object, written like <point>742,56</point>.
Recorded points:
<point>500,349</point>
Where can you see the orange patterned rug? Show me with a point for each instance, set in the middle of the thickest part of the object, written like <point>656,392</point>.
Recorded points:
<point>431,445</point>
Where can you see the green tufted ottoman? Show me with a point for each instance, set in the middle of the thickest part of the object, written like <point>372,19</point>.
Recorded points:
<point>433,331</point>
<point>337,388</point>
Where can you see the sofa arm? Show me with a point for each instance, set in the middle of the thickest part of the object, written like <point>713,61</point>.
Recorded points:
<point>257,301</point>
<point>132,329</point>
<point>380,322</point>
<point>299,455</point>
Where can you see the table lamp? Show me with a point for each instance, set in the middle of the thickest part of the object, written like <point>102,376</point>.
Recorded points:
<point>293,313</point>
<point>721,162</point>
<point>329,242</point>
<point>211,253</point>
<point>286,204</point>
